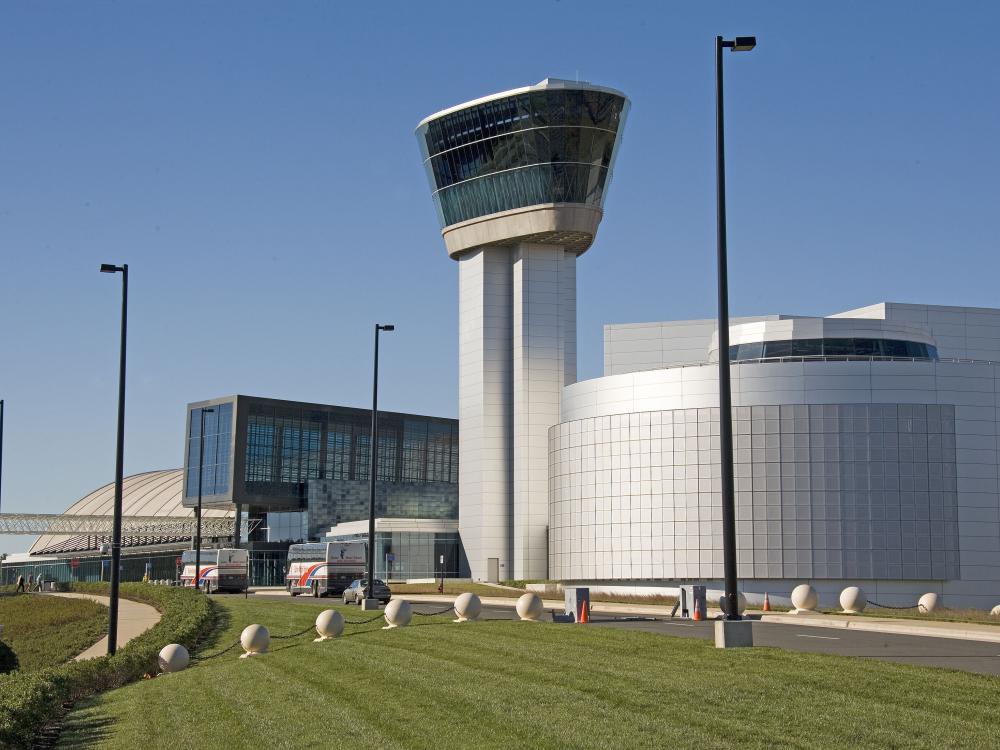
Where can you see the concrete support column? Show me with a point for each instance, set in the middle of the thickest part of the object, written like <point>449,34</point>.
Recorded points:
<point>544,360</point>
<point>485,409</point>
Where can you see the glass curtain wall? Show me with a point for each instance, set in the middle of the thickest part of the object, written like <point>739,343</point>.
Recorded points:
<point>218,438</point>
<point>286,447</point>
<point>545,146</point>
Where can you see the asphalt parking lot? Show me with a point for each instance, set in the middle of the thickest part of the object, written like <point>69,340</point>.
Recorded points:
<point>952,653</point>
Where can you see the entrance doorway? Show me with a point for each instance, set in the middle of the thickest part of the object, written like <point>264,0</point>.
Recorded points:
<point>493,569</point>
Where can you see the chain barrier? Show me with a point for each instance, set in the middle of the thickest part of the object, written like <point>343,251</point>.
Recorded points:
<point>363,622</point>
<point>293,635</point>
<point>218,653</point>
<point>888,606</point>
<point>449,608</point>
<point>278,638</point>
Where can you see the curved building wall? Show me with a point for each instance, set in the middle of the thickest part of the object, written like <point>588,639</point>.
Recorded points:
<point>845,472</point>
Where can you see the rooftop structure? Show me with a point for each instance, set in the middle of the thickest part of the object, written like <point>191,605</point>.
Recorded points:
<point>150,494</point>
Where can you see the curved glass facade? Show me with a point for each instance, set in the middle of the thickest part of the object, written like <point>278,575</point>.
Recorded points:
<point>539,146</point>
<point>854,347</point>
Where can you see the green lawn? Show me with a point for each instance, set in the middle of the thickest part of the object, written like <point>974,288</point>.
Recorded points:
<point>508,684</point>
<point>47,630</point>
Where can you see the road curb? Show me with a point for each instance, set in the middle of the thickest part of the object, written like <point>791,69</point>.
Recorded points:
<point>946,630</point>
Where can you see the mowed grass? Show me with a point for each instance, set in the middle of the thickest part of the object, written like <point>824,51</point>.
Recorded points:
<point>44,631</point>
<point>506,684</point>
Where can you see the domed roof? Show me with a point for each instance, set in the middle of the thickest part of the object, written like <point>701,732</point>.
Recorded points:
<point>152,493</point>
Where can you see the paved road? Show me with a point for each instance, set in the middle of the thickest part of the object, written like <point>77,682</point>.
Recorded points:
<point>971,656</point>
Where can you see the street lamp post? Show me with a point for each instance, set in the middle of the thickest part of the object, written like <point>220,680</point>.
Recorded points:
<point>1,452</point>
<point>739,44</point>
<point>369,602</point>
<point>201,473</point>
<point>116,529</point>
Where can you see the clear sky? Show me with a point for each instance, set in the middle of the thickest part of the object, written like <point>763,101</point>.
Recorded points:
<point>254,163</point>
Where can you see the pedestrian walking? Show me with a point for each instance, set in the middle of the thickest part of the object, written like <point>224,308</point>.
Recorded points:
<point>20,583</point>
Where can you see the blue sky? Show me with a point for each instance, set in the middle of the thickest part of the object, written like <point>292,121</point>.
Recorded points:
<point>255,164</point>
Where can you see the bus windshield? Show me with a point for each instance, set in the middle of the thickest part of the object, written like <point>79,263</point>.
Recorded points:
<point>208,557</point>
<point>307,552</point>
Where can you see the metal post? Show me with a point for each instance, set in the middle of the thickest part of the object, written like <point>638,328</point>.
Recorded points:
<point>369,589</point>
<point>1,452</point>
<point>116,532</point>
<point>197,513</point>
<point>373,451</point>
<point>725,396</point>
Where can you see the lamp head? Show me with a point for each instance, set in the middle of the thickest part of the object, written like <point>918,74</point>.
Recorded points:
<point>744,43</point>
<point>388,327</point>
<point>109,268</point>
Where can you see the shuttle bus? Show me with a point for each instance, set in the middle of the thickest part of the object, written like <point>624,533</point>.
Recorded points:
<point>324,568</point>
<point>221,569</point>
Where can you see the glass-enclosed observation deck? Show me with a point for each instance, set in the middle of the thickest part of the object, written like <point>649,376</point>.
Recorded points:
<point>552,143</point>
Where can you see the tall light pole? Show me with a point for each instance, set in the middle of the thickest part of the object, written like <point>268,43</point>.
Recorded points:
<point>116,533</point>
<point>739,44</point>
<point>1,452</point>
<point>369,602</point>
<point>201,473</point>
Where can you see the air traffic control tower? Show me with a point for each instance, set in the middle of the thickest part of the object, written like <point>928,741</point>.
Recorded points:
<point>519,180</point>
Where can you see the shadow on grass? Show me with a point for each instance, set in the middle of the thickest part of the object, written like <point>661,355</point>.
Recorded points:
<point>223,620</point>
<point>8,659</point>
<point>81,728</point>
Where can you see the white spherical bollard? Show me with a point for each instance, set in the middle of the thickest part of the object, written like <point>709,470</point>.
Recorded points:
<point>995,611</point>
<point>928,603</point>
<point>173,658</point>
<point>853,600</point>
<point>329,624</point>
<point>741,602</point>
<point>467,607</point>
<point>255,640</point>
<point>804,598</point>
<point>530,607</point>
<point>398,613</point>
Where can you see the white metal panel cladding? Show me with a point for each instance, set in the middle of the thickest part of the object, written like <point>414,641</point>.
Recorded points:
<point>836,491</point>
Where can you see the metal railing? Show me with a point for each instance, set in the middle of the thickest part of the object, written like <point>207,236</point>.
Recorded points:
<point>148,526</point>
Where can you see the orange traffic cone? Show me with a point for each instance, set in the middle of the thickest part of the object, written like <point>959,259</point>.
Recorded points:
<point>767,603</point>
<point>584,613</point>
<point>696,613</point>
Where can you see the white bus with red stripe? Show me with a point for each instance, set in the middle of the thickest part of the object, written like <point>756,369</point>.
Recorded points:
<point>324,568</point>
<point>221,569</point>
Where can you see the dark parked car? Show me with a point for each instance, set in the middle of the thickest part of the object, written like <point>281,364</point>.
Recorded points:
<point>355,593</point>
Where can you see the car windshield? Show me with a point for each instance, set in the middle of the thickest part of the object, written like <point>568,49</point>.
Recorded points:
<point>377,582</point>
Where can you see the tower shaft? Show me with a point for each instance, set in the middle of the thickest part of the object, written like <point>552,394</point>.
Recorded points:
<point>517,349</point>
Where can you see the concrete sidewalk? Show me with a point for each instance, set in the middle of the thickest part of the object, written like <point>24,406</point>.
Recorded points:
<point>966,631</point>
<point>927,628</point>
<point>133,619</point>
